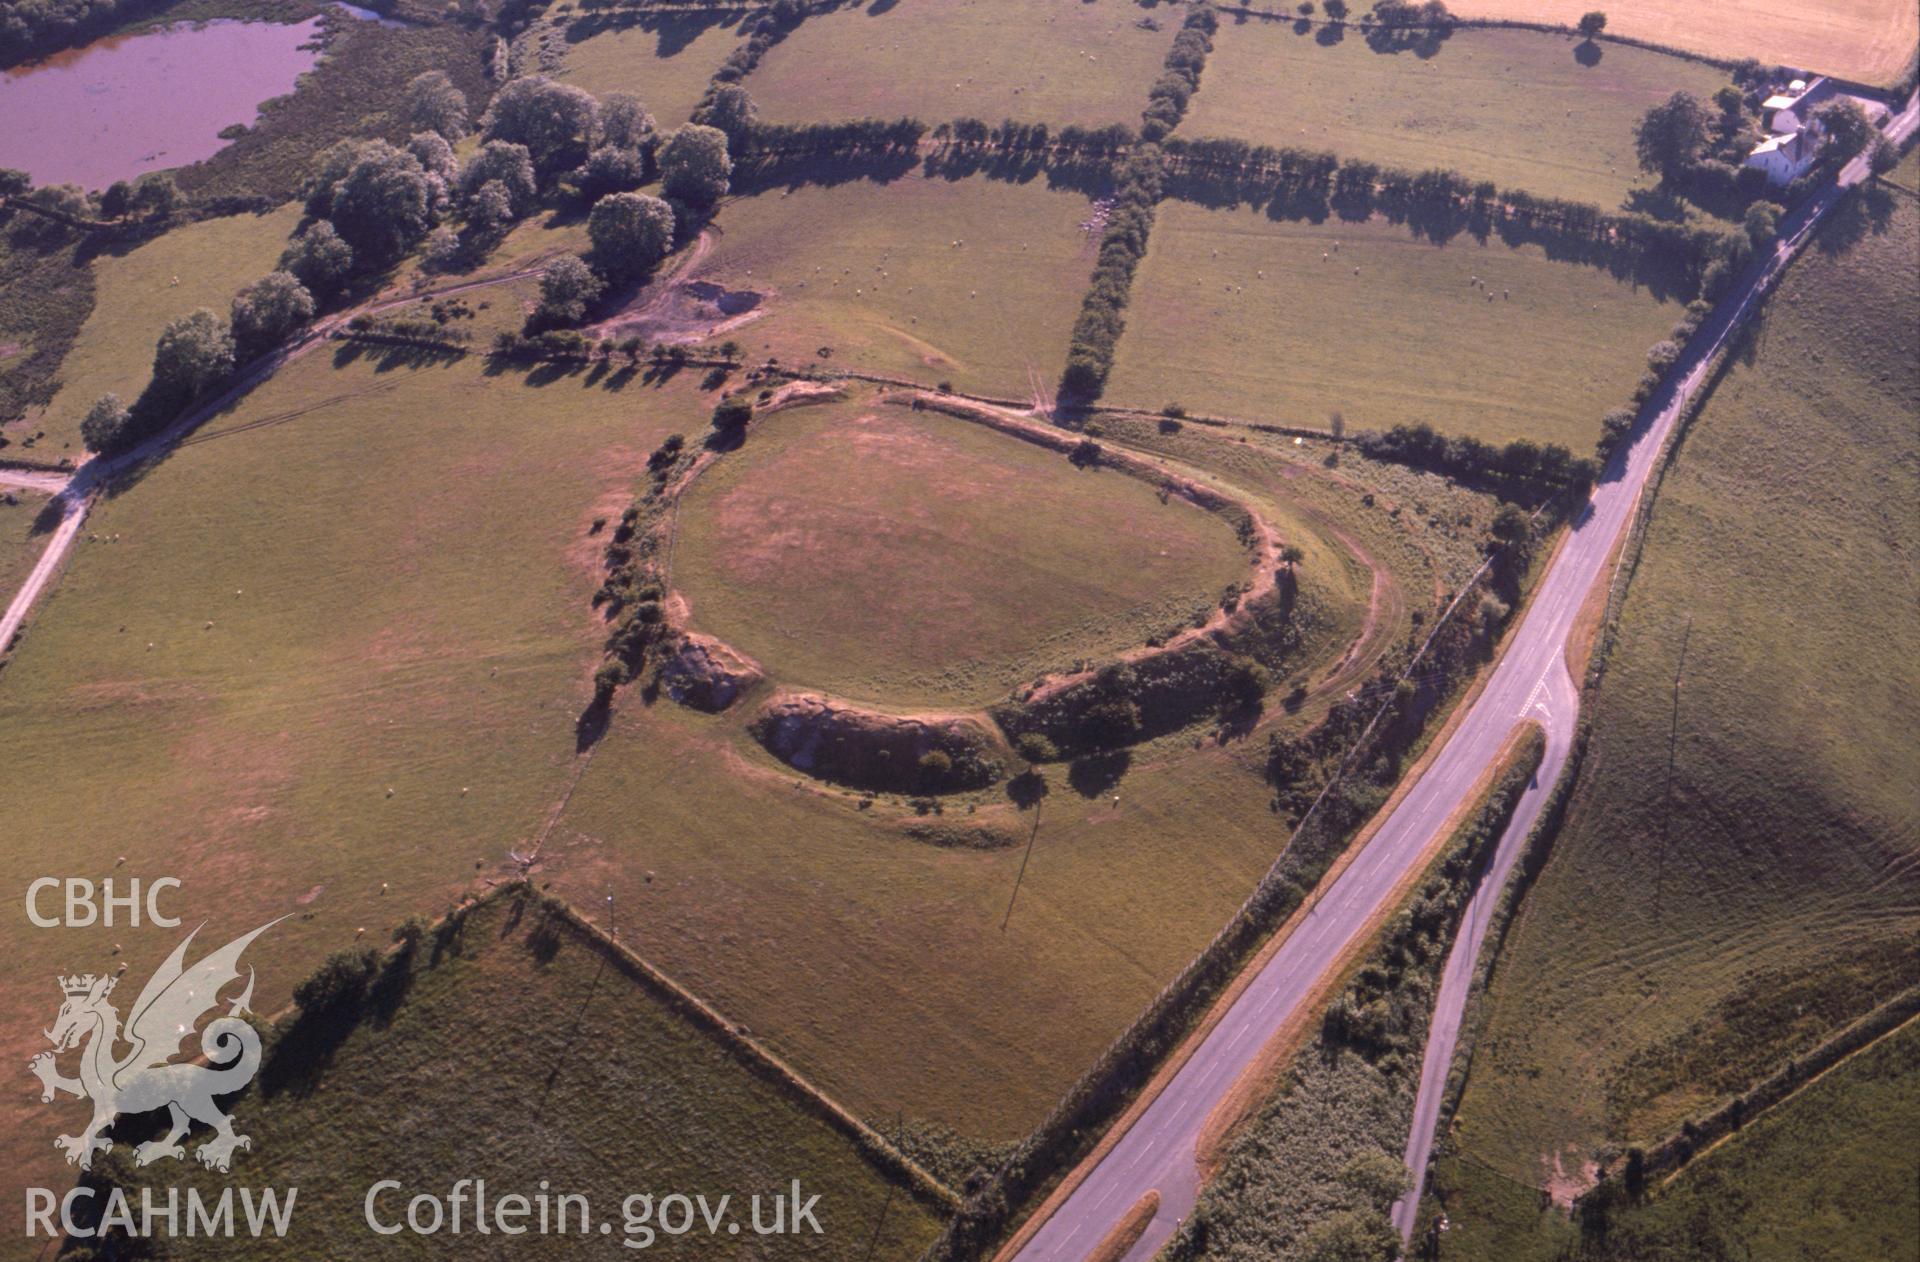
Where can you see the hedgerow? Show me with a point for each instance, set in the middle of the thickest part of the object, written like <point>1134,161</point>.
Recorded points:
<point>1122,245</point>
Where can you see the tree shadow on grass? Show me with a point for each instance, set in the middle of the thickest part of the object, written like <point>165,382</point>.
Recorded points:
<point>673,32</point>
<point>386,357</point>
<point>47,519</point>
<point>592,723</point>
<point>1588,53</point>
<point>754,176</point>
<point>1095,774</point>
<point>1868,212</point>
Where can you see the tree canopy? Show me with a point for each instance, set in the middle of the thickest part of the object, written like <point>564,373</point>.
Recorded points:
<point>104,427</point>
<point>610,169</point>
<point>434,104</point>
<point>1847,129</point>
<point>728,108</point>
<point>319,259</point>
<point>267,310</point>
<point>378,197</point>
<point>566,291</point>
<point>508,164</point>
<point>1671,135</point>
<point>624,122</point>
<point>694,165</point>
<point>194,354</point>
<point>631,233</point>
<point>557,122</point>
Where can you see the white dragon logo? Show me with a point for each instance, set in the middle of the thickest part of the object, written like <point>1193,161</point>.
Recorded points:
<point>168,1009</point>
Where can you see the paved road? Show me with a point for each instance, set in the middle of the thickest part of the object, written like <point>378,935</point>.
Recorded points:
<point>1457,974</point>
<point>1530,682</point>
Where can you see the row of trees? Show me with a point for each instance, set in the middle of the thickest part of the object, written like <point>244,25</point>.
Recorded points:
<point>1180,77</point>
<point>148,202</point>
<point>762,32</point>
<point>1103,311</point>
<point>196,355</point>
<point>1520,465</point>
<point>854,137</point>
<point>1436,201</point>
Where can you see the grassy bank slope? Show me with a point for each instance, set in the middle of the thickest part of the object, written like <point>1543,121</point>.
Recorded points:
<point>1736,874</point>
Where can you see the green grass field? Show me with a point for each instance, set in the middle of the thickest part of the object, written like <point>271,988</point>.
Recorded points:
<point>1871,40</point>
<point>1735,878</point>
<point>137,293</point>
<point>46,295</point>
<point>911,558</point>
<point>1515,107</point>
<point>871,271</point>
<point>571,1072</point>
<point>398,584</point>
<point>1048,61</point>
<point>20,547</point>
<point>328,666</point>
<point>665,59</point>
<point>1239,314</point>
<point>874,960</point>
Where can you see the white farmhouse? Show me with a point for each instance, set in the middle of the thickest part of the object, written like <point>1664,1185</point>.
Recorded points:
<point>1793,140</point>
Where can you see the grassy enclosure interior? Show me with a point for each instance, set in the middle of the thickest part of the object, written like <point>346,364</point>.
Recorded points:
<point>1520,108</point>
<point>913,558</point>
<point>137,293</point>
<point>1047,61</point>
<point>574,1073</point>
<point>327,665</point>
<point>1870,40</point>
<point>1735,879</point>
<point>1237,313</point>
<point>972,281</point>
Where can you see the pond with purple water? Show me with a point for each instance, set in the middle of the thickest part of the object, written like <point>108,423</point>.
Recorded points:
<point>128,104</point>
